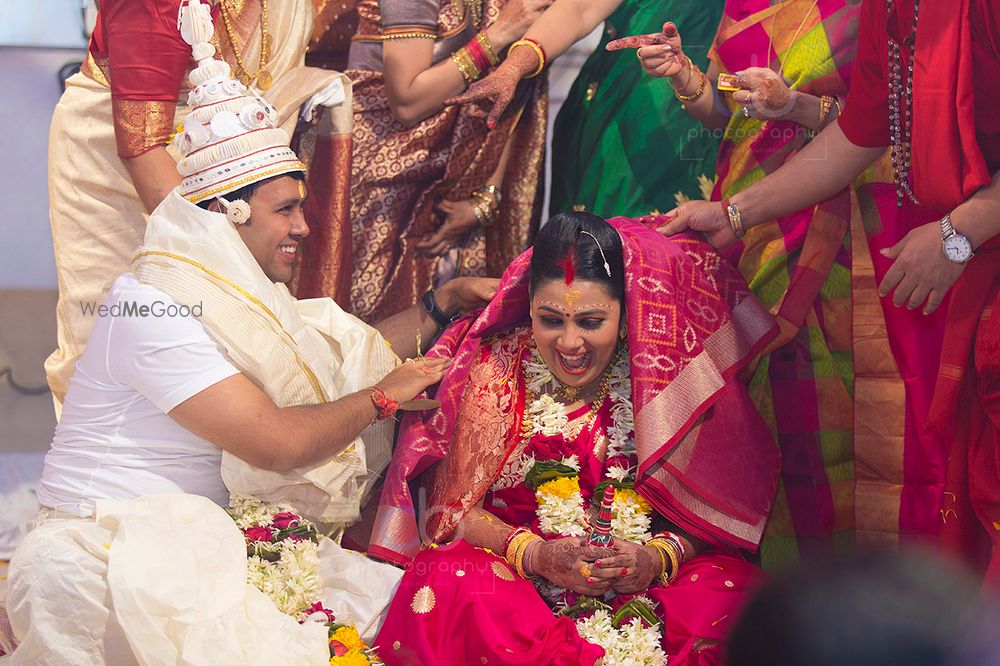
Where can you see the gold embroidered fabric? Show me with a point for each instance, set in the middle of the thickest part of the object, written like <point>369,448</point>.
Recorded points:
<point>486,430</point>
<point>141,125</point>
<point>96,68</point>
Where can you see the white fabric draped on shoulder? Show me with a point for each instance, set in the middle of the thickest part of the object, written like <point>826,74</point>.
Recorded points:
<point>298,352</point>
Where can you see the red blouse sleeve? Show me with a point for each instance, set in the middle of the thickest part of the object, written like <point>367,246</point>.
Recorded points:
<point>865,120</point>
<point>147,61</point>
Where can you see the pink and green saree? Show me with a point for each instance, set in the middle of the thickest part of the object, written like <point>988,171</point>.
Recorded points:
<point>801,268</point>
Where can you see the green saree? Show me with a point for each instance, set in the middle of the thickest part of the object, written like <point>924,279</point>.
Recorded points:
<point>622,144</point>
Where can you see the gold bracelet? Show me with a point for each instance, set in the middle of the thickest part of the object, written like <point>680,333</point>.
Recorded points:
<point>520,544</point>
<point>515,545</point>
<point>675,562</point>
<point>697,93</point>
<point>825,105</point>
<point>466,65</point>
<point>663,558</point>
<point>538,52</point>
<point>492,190</point>
<point>690,76</point>
<point>669,551</point>
<point>735,218</point>
<point>490,53</point>
<point>407,35</point>
<point>663,548</point>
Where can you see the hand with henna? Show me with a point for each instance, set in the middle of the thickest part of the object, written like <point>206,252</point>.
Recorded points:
<point>498,88</point>
<point>660,54</point>
<point>764,94</point>
<point>631,569</point>
<point>565,562</point>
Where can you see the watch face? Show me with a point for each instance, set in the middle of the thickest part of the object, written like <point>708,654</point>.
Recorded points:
<point>958,248</point>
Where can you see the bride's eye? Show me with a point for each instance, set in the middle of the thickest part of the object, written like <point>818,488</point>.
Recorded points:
<point>591,324</point>
<point>551,322</point>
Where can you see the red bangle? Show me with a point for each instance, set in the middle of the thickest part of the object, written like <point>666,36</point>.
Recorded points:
<point>513,533</point>
<point>478,54</point>
<point>385,405</point>
<point>545,56</point>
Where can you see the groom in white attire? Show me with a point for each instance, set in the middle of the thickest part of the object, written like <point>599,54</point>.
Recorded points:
<point>132,559</point>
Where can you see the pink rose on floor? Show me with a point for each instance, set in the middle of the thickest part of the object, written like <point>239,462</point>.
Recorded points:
<point>316,609</point>
<point>258,534</point>
<point>285,520</point>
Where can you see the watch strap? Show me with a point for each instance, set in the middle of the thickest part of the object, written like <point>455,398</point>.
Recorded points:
<point>947,228</point>
<point>432,308</point>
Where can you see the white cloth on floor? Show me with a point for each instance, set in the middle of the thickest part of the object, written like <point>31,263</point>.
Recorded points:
<point>162,580</point>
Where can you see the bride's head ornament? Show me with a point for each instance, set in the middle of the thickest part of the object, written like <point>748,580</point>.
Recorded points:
<point>231,136</point>
<point>607,266</point>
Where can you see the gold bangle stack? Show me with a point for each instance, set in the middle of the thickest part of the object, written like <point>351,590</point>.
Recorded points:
<point>485,43</point>
<point>702,82</point>
<point>466,65</point>
<point>668,551</point>
<point>538,52</point>
<point>516,549</point>
<point>487,206</point>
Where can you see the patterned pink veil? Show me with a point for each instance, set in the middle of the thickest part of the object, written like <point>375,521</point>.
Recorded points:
<point>707,461</point>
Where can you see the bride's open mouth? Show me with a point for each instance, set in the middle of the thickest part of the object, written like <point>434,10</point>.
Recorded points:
<point>575,364</point>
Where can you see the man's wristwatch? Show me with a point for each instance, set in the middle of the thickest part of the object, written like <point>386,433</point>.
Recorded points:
<point>431,307</point>
<point>956,246</point>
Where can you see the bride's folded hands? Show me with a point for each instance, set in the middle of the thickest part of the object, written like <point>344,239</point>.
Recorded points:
<point>632,568</point>
<point>568,562</point>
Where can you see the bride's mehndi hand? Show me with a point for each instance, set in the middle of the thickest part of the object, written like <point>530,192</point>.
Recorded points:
<point>633,569</point>
<point>567,562</point>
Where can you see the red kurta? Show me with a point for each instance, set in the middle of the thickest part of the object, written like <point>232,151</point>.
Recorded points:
<point>956,149</point>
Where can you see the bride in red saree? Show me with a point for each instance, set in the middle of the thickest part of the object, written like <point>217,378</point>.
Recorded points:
<point>608,358</point>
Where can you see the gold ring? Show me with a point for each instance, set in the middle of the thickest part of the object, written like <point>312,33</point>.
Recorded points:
<point>638,55</point>
<point>585,571</point>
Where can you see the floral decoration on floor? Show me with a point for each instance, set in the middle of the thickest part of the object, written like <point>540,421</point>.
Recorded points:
<point>283,563</point>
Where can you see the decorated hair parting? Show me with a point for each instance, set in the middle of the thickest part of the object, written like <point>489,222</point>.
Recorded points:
<point>569,262</point>
<point>231,136</point>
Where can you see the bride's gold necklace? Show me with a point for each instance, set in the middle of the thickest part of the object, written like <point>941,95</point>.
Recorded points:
<point>262,77</point>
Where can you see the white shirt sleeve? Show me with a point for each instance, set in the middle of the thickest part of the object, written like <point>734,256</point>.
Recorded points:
<point>167,359</point>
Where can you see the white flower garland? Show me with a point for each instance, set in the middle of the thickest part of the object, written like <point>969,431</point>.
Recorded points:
<point>561,508</point>
<point>631,644</point>
<point>562,513</point>
<point>290,574</point>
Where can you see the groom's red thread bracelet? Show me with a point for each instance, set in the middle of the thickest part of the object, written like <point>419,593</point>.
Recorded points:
<point>385,405</point>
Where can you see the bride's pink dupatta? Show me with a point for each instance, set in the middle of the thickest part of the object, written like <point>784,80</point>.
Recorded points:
<point>707,461</point>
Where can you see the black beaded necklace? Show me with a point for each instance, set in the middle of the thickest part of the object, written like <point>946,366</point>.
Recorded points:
<point>901,107</point>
